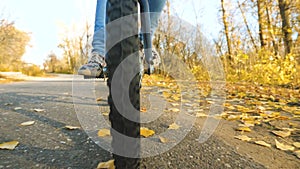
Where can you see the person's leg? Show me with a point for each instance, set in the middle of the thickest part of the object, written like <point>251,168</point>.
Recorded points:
<point>98,42</point>
<point>96,61</point>
<point>156,7</point>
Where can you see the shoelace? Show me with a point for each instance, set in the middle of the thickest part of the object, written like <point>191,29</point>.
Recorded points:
<point>96,58</point>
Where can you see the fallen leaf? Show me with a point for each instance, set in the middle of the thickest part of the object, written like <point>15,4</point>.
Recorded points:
<point>105,113</point>
<point>175,110</point>
<point>106,165</point>
<point>262,143</point>
<point>233,117</point>
<point>143,109</point>
<point>9,145</point>
<point>99,99</point>
<point>176,98</point>
<point>284,147</point>
<point>243,138</point>
<point>293,124</point>
<point>282,133</point>
<point>162,139</point>
<point>296,144</point>
<point>201,115</point>
<point>174,126</point>
<point>72,127</point>
<point>297,153</point>
<point>17,108</point>
<point>8,104</point>
<point>27,123</point>
<point>175,104</point>
<point>146,132</point>
<point>103,132</point>
<point>39,110</point>
<point>247,129</point>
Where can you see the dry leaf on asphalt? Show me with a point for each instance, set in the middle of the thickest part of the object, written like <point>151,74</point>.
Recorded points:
<point>106,165</point>
<point>243,138</point>
<point>233,117</point>
<point>27,123</point>
<point>201,115</point>
<point>174,126</point>
<point>284,147</point>
<point>9,145</point>
<point>282,133</point>
<point>162,139</point>
<point>146,132</point>
<point>17,108</point>
<point>297,153</point>
<point>103,132</point>
<point>175,110</point>
<point>247,129</point>
<point>175,104</point>
<point>296,144</point>
<point>105,113</point>
<point>262,143</point>
<point>39,110</point>
<point>143,109</point>
<point>72,127</point>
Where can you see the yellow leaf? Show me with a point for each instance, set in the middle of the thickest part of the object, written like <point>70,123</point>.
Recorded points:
<point>175,110</point>
<point>106,165</point>
<point>17,108</point>
<point>176,98</point>
<point>262,143</point>
<point>9,145</point>
<point>105,113</point>
<point>162,139</point>
<point>296,144</point>
<point>72,127</point>
<point>175,104</point>
<point>27,123</point>
<point>39,110</point>
<point>233,117</point>
<point>243,138</point>
<point>146,132</point>
<point>166,94</point>
<point>143,109</point>
<point>201,115</point>
<point>284,147</point>
<point>282,133</point>
<point>99,99</point>
<point>174,126</point>
<point>293,124</point>
<point>103,132</point>
<point>244,129</point>
<point>297,153</point>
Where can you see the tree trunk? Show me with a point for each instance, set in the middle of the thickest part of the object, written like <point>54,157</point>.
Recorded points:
<point>260,23</point>
<point>270,28</point>
<point>247,26</point>
<point>286,26</point>
<point>226,30</point>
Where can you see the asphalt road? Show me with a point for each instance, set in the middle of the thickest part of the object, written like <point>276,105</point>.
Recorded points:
<point>48,144</point>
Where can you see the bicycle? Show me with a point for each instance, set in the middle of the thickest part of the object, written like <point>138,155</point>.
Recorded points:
<point>122,126</point>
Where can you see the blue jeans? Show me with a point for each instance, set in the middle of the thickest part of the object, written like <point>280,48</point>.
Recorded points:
<point>99,38</point>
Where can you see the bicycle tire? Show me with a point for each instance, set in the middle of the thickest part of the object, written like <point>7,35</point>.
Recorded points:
<point>115,10</point>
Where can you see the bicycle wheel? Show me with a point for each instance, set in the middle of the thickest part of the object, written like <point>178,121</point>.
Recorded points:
<point>117,9</point>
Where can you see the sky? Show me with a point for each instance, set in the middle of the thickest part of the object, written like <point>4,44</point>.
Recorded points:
<point>47,20</point>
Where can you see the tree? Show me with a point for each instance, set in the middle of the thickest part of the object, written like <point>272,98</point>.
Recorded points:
<point>13,44</point>
<point>284,8</point>
<point>226,29</point>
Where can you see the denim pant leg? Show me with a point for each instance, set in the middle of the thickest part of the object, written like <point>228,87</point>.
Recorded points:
<point>156,7</point>
<point>98,42</point>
